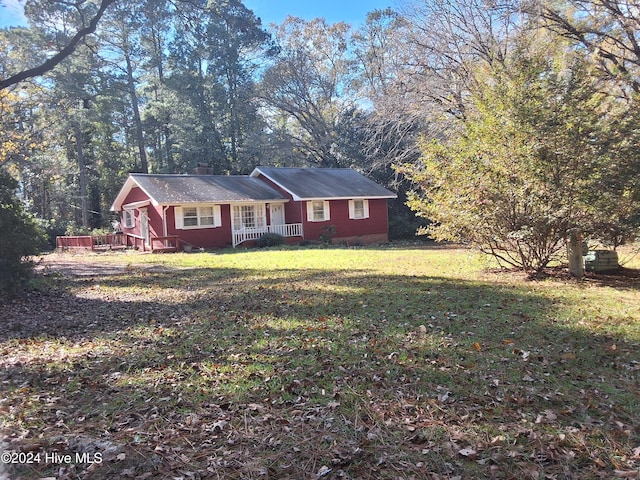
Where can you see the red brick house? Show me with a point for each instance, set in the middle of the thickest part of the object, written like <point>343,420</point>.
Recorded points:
<point>211,211</point>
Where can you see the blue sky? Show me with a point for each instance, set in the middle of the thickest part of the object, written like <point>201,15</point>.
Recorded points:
<point>11,12</point>
<point>353,12</point>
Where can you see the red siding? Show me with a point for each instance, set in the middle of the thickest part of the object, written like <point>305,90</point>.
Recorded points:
<point>135,195</point>
<point>367,230</point>
<point>203,237</point>
<point>218,237</point>
<point>375,225</point>
<point>292,210</point>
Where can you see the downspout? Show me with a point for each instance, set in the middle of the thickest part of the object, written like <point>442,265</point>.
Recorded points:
<point>165,232</point>
<point>302,217</point>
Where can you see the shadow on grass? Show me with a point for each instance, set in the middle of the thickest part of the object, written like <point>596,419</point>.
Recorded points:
<point>246,374</point>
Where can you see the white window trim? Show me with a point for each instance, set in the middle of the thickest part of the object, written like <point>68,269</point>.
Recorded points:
<point>352,209</point>
<point>179,217</point>
<point>325,207</point>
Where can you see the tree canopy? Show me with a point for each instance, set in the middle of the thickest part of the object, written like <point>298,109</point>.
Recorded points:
<point>514,123</point>
<point>539,150</point>
<point>537,157</point>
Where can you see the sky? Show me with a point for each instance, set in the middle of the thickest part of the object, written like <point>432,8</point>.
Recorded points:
<point>11,13</point>
<point>354,12</point>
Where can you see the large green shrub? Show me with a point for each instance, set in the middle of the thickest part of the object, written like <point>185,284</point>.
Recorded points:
<point>270,240</point>
<point>541,156</point>
<point>20,238</point>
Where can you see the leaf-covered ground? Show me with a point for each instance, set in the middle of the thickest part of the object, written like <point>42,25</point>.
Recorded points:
<point>403,363</point>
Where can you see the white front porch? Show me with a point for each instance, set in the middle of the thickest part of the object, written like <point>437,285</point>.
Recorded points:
<point>254,233</point>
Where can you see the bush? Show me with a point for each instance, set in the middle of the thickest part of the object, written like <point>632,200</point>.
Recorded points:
<point>74,230</point>
<point>22,237</point>
<point>53,230</point>
<point>270,240</point>
<point>404,227</point>
<point>328,233</point>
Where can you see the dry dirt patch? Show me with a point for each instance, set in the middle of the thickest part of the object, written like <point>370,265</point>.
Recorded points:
<point>57,312</point>
<point>89,264</point>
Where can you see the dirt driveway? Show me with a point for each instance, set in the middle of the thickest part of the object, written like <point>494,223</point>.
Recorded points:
<point>90,264</point>
<point>56,312</point>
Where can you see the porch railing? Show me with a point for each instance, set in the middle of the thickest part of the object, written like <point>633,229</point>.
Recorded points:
<point>110,241</point>
<point>254,233</point>
<point>118,241</point>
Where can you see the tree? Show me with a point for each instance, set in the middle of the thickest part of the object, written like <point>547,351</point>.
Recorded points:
<point>21,237</point>
<point>120,38</point>
<point>308,86</point>
<point>608,29</point>
<point>536,161</point>
<point>158,86</point>
<point>445,41</point>
<point>155,33</point>
<point>11,139</point>
<point>236,38</point>
<point>393,119</point>
<point>89,16</point>
<point>210,75</point>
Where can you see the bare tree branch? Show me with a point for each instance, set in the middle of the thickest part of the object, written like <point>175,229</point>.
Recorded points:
<point>609,29</point>
<point>52,62</point>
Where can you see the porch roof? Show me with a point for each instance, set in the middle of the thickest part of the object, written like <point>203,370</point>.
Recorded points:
<point>186,189</point>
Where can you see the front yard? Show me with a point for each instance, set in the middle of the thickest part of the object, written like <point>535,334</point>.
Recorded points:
<point>372,363</point>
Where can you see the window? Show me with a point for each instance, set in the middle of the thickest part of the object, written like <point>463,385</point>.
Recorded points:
<point>318,211</point>
<point>204,216</point>
<point>248,216</point>
<point>190,216</point>
<point>358,209</point>
<point>129,219</point>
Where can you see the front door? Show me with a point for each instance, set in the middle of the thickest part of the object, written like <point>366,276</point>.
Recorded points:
<point>277,214</point>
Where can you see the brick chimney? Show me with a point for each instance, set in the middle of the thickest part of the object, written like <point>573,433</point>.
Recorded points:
<point>203,169</point>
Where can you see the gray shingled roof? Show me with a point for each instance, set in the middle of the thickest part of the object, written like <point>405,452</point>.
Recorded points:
<point>319,183</point>
<point>181,189</point>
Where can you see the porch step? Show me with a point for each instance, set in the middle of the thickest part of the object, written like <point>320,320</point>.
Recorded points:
<point>164,250</point>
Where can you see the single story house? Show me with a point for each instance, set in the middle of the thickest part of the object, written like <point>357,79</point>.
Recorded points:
<point>212,211</point>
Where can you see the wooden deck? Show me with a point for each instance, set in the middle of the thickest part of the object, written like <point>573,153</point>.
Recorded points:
<point>118,241</point>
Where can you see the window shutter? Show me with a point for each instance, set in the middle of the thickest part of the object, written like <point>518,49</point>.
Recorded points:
<point>365,204</point>
<point>327,211</point>
<point>177,211</point>
<point>217,216</point>
<point>352,209</point>
<point>309,211</point>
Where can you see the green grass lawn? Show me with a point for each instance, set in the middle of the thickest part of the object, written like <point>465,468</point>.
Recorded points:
<point>368,363</point>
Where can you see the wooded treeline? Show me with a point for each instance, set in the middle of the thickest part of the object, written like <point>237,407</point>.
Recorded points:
<point>162,86</point>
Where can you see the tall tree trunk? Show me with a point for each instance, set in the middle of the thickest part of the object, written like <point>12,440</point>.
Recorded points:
<point>166,129</point>
<point>84,209</point>
<point>144,167</point>
<point>168,145</point>
<point>574,252</point>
